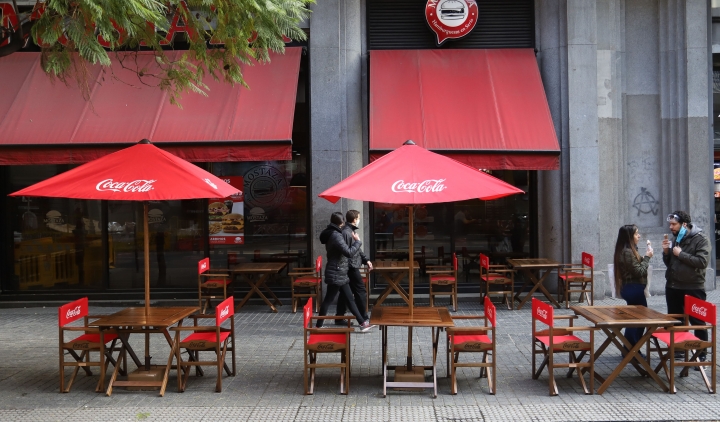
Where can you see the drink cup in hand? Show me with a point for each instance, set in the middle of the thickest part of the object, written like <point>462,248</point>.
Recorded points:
<point>666,242</point>
<point>649,251</point>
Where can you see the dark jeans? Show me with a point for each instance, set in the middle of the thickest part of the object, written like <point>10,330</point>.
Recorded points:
<point>675,299</point>
<point>345,296</point>
<point>357,286</point>
<point>634,294</point>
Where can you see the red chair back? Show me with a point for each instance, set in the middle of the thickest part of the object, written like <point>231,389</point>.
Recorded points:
<point>203,265</point>
<point>490,313</point>
<point>455,264</point>
<point>318,265</point>
<point>542,312</point>
<point>700,309</point>
<point>224,310</point>
<point>485,261</point>
<point>307,312</point>
<point>72,311</point>
<point>588,260</point>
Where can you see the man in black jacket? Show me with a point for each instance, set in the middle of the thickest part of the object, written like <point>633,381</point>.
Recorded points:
<point>336,269</point>
<point>357,285</point>
<point>686,264</point>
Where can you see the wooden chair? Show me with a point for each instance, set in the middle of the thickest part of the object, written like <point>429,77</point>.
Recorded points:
<point>473,340</point>
<point>577,278</point>
<point>365,274</point>
<point>210,282</point>
<point>551,341</point>
<point>496,276</point>
<point>92,340</point>
<point>206,338</point>
<point>325,340</point>
<point>680,338</point>
<point>306,283</point>
<point>442,276</point>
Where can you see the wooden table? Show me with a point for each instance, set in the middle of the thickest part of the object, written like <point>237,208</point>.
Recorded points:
<point>255,275</point>
<point>390,316</point>
<point>135,320</point>
<point>393,272</point>
<point>612,319</point>
<point>531,267</point>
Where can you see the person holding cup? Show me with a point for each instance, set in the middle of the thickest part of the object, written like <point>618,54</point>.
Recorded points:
<point>631,272</point>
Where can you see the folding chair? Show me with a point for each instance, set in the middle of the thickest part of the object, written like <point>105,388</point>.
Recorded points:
<point>206,338</point>
<point>445,277</point>
<point>325,340</point>
<point>551,341</point>
<point>577,278</point>
<point>92,340</point>
<point>680,338</point>
<point>496,276</point>
<point>365,274</point>
<point>208,282</point>
<point>306,282</point>
<point>473,340</point>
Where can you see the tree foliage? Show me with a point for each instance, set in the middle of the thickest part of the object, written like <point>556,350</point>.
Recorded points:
<point>221,35</point>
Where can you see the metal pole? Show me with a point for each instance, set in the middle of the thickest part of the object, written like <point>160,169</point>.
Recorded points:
<point>412,258</point>
<point>146,242</point>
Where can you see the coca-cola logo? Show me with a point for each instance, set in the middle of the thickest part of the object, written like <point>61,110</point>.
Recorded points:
<point>693,345</point>
<point>473,346</point>
<point>72,313</point>
<point>490,313</point>
<point>427,186</point>
<point>83,345</point>
<point>198,344</point>
<point>136,186</point>
<point>203,266</point>
<point>225,311</point>
<point>542,313</point>
<point>209,182</point>
<point>326,346</point>
<point>587,260</point>
<point>571,346</point>
<point>699,310</point>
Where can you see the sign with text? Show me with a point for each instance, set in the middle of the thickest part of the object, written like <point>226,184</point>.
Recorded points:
<point>227,219</point>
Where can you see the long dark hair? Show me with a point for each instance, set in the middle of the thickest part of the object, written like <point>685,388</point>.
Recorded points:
<point>624,241</point>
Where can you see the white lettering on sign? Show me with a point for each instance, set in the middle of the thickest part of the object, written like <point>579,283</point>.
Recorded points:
<point>71,313</point>
<point>203,266</point>
<point>427,186</point>
<point>700,310</point>
<point>209,182</point>
<point>225,311</point>
<point>542,313</point>
<point>134,186</point>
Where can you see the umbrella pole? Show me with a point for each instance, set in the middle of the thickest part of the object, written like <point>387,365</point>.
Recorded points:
<point>146,241</point>
<point>412,259</point>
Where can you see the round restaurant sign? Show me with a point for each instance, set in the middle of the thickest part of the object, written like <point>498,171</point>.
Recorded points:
<point>451,19</point>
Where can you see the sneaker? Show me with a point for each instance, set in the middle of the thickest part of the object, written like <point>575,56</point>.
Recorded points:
<point>366,326</point>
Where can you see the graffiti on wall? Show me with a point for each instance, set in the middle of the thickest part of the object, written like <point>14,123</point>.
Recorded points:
<point>645,203</point>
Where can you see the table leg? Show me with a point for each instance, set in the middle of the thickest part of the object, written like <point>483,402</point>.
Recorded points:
<point>382,296</point>
<point>384,358</point>
<point>537,284</point>
<point>393,283</point>
<point>254,290</point>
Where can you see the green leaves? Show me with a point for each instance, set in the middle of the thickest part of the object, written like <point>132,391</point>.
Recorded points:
<point>220,35</point>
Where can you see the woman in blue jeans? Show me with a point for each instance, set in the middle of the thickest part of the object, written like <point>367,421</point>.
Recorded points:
<point>631,273</point>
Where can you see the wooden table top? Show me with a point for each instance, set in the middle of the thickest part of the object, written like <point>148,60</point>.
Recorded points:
<point>156,317</point>
<point>393,265</point>
<point>533,263</point>
<point>258,267</point>
<point>399,316</point>
<point>623,316</point>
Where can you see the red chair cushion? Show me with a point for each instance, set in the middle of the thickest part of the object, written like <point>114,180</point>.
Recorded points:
<point>95,338</point>
<point>491,277</point>
<point>680,336</point>
<point>324,338</point>
<point>307,280</point>
<point>217,281</point>
<point>565,276</point>
<point>464,338</point>
<point>441,277</point>
<point>206,336</point>
<point>558,340</point>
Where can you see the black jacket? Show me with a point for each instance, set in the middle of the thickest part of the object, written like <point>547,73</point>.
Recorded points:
<point>687,270</point>
<point>338,254</point>
<point>359,259</point>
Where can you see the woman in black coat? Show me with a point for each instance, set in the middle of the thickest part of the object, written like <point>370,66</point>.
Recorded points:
<point>336,269</point>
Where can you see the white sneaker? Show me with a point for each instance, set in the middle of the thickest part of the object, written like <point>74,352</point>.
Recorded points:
<point>366,326</point>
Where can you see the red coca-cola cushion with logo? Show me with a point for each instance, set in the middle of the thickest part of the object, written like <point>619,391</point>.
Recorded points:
<point>224,310</point>
<point>72,311</point>
<point>700,309</point>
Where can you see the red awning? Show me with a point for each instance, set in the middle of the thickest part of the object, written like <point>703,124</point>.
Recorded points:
<point>486,108</point>
<point>46,123</point>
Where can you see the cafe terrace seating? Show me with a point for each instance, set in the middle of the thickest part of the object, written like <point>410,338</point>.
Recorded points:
<point>324,341</point>
<point>441,278</point>
<point>551,342</point>
<point>681,339</point>
<point>496,280</point>
<point>92,340</point>
<point>577,278</point>
<point>210,284</point>
<point>205,338</point>
<point>306,283</point>
<point>473,341</point>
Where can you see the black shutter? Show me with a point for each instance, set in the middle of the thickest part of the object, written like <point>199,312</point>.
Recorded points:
<point>401,25</point>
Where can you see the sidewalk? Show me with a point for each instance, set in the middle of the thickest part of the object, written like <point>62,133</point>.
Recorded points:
<point>268,385</point>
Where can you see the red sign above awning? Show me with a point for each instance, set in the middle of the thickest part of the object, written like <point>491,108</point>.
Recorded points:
<point>486,108</point>
<point>231,124</point>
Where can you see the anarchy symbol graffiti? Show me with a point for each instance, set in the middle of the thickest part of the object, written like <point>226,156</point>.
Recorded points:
<point>645,203</point>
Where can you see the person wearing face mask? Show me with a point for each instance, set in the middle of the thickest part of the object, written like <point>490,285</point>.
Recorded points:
<point>357,285</point>
<point>686,260</point>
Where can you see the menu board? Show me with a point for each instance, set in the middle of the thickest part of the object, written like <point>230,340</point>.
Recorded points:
<point>227,219</point>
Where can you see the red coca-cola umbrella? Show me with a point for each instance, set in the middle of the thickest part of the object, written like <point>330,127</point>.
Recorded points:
<point>141,172</point>
<point>414,175</point>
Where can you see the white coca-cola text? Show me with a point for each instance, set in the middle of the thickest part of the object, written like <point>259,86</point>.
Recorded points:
<point>225,311</point>
<point>203,266</point>
<point>73,312</point>
<point>427,186</point>
<point>542,313</point>
<point>700,310</point>
<point>134,186</point>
